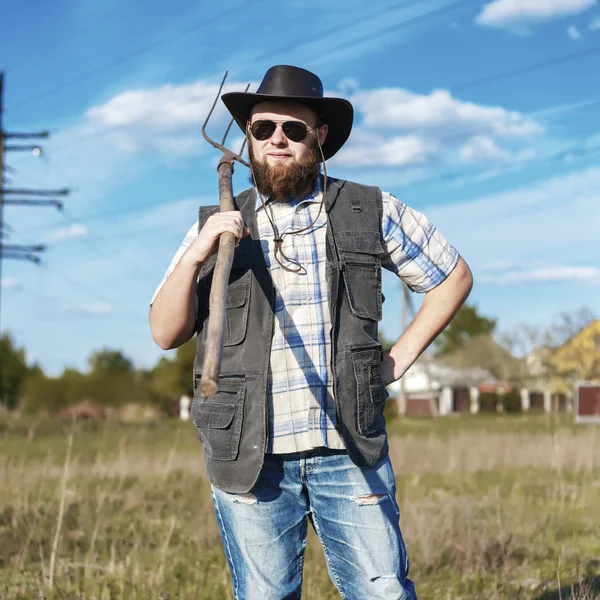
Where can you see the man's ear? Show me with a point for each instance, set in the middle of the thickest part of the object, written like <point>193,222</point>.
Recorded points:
<point>323,133</point>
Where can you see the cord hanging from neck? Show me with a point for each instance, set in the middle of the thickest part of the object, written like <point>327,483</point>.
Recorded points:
<point>278,239</point>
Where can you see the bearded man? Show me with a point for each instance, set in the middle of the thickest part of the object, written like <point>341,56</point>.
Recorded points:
<point>296,431</point>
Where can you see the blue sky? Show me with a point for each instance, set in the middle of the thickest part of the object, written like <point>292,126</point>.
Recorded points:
<point>507,168</point>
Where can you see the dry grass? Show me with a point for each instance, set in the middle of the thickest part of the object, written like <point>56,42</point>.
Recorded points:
<point>490,509</point>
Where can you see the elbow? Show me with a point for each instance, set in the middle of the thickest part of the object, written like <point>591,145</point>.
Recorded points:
<point>163,342</point>
<point>169,340</point>
<point>463,278</point>
<point>162,338</point>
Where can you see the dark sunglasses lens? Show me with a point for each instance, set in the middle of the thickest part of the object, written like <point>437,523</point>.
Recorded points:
<point>262,130</point>
<point>294,130</point>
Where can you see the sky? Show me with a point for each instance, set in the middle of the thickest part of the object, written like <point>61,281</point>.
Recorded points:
<point>485,116</point>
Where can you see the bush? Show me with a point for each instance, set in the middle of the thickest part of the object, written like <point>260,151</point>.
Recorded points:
<point>511,402</point>
<point>391,409</point>
<point>488,401</point>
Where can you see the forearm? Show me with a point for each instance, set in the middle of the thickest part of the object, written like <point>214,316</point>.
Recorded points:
<point>173,312</point>
<point>437,310</point>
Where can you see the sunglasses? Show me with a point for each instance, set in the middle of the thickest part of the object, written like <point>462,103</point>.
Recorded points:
<point>295,131</point>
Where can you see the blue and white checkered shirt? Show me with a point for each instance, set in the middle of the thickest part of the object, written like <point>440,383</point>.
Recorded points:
<point>300,397</point>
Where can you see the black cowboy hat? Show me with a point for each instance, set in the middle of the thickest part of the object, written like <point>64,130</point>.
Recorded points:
<point>284,82</point>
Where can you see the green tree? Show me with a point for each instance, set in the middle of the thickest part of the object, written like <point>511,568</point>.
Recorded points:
<point>113,378</point>
<point>13,369</point>
<point>43,394</point>
<point>467,324</point>
<point>110,362</point>
<point>173,377</point>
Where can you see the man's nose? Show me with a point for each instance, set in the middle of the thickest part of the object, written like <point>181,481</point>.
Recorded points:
<point>278,136</point>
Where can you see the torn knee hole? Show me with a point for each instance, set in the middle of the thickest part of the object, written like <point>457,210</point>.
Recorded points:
<point>369,499</point>
<point>245,499</point>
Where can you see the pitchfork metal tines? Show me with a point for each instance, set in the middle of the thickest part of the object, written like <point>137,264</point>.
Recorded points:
<point>228,155</point>
<point>218,290</point>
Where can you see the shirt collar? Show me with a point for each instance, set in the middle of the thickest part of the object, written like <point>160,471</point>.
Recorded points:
<point>314,196</point>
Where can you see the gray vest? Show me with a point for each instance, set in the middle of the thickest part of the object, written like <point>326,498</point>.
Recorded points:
<point>232,425</point>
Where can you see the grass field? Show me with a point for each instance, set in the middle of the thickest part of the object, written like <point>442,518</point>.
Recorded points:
<point>492,507</point>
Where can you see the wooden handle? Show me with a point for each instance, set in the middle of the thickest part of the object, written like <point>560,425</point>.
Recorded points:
<point>218,291</point>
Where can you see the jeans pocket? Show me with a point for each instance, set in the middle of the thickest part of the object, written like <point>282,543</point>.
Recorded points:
<point>371,392</point>
<point>218,419</point>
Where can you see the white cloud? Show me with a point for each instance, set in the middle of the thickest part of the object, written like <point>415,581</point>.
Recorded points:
<point>556,273</point>
<point>482,148</point>
<point>124,138</point>
<point>518,15</point>
<point>67,233</point>
<point>595,24</point>
<point>10,283</point>
<point>166,119</point>
<point>165,108</point>
<point>368,149</point>
<point>347,86</point>
<point>438,112</point>
<point>573,33</point>
<point>399,128</point>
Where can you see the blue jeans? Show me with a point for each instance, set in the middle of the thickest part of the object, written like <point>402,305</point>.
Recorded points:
<point>353,511</point>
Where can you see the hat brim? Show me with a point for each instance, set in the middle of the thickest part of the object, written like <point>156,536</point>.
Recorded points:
<point>336,112</point>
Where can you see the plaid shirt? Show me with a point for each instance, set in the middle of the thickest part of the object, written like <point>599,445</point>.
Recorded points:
<point>300,392</point>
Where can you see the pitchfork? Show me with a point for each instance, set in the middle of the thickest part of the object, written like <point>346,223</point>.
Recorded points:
<point>218,290</point>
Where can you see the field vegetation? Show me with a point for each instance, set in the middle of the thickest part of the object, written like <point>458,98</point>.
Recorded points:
<point>500,506</point>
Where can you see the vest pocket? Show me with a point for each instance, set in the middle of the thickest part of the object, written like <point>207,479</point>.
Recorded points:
<point>360,253</point>
<point>371,392</point>
<point>363,288</point>
<point>218,419</point>
<point>237,305</point>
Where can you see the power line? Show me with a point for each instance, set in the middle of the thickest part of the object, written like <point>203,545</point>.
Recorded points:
<point>458,87</point>
<point>82,29</point>
<point>357,40</point>
<point>552,115</point>
<point>127,57</point>
<point>573,153</point>
<point>326,32</point>
<point>391,29</point>
<point>537,66</point>
<point>305,40</point>
<point>465,85</point>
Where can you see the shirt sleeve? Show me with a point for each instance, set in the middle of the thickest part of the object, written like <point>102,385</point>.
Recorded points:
<point>190,236</point>
<point>415,250</point>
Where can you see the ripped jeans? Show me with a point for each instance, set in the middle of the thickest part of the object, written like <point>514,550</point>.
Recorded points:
<point>353,511</point>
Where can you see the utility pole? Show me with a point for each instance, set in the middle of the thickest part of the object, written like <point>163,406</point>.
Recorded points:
<point>402,395</point>
<point>25,197</point>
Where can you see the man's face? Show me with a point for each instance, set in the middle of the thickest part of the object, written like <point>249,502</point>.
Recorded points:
<point>281,167</point>
<point>278,149</point>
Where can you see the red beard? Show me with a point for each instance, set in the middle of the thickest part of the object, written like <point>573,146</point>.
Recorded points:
<point>280,182</point>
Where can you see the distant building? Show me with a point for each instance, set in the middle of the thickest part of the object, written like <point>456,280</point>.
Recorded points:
<point>575,371</point>
<point>432,389</point>
<point>577,359</point>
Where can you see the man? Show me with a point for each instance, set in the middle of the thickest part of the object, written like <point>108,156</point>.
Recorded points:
<point>296,429</point>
